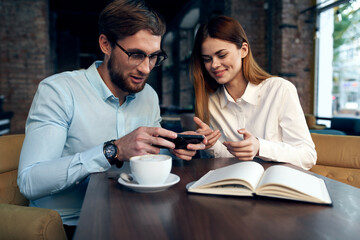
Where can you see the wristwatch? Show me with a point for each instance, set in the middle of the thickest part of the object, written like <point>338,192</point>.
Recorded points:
<point>111,153</point>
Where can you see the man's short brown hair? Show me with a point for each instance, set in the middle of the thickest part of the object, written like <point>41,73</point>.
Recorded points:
<point>123,18</point>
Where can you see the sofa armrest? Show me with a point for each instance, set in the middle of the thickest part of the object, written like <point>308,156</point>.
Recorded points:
<point>337,150</point>
<point>349,176</point>
<point>20,222</point>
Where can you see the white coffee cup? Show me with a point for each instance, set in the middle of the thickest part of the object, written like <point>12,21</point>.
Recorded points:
<point>151,169</point>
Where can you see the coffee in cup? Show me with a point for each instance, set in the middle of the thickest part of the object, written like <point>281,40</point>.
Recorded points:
<point>151,169</point>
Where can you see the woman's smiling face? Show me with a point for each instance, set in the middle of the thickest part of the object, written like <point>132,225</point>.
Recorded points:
<point>222,59</point>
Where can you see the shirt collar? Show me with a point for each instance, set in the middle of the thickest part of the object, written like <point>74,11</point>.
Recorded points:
<point>95,80</point>
<point>251,95</point>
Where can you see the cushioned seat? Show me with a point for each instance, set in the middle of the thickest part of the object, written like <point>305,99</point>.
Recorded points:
<point>18,221</point>
<point>338,157</point>
<point>328,131</point>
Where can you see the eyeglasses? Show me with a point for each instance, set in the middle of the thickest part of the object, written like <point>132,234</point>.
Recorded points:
<point>136,58</point>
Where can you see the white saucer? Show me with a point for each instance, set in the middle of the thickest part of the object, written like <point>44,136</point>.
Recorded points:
<point>172,180</point>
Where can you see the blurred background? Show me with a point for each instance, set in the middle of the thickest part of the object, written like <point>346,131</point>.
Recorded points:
<point>313,44</point>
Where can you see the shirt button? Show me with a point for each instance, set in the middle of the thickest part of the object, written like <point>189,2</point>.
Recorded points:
<point>101,169</point>
<point>77,182</point>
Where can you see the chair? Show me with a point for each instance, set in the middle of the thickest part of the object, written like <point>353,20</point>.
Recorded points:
<point>338,157</point>
<point>311,122</point>
<point>18,220</point>
<point>328,131</point>
<point>320,128</point>
<point>349,125</point>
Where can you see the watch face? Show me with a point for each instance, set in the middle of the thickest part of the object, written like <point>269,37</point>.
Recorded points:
<point>110,151</point>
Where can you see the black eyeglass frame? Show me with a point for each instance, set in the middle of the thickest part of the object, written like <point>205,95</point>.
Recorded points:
<point>157,63</point>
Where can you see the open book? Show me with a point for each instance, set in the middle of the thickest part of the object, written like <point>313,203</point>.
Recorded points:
<point>249,178</point>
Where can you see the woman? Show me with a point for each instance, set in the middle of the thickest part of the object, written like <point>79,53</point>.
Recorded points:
<point>253,114</point>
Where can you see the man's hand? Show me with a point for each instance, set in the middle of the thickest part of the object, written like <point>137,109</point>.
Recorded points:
<point>141,141</point>
<point>187,154</point>
<point>210,135</point>
<point>246,149</point>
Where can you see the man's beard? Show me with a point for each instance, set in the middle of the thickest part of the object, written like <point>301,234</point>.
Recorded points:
<point>120,80</point>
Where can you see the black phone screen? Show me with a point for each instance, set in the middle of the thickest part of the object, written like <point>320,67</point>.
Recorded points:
<point>183,140</point>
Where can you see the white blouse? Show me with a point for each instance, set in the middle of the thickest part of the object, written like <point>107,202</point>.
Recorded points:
<point>270,111</point>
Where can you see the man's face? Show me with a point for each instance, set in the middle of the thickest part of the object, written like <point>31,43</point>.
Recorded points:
<point>129,77</point>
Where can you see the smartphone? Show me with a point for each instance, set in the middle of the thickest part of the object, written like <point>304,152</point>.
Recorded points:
<point>183,140</point>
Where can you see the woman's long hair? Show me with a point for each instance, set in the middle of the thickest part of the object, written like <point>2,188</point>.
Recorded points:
<point>228,29</point>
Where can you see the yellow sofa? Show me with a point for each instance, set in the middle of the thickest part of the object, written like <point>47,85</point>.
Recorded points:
<point>338,157</point>
<point>18,221</point>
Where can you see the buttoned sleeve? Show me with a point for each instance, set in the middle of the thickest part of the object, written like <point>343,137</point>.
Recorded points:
<point>296,146</point>
<point>43,169</point>
<point>219,150</point>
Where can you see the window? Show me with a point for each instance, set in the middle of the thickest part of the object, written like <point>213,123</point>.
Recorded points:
<point>338,59</point>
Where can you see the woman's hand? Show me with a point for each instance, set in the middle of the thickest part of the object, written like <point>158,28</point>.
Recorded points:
<point>211,135</point>
<point>246,149</point>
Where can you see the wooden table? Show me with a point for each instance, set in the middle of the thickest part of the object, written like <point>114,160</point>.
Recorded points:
<point>112,211</point>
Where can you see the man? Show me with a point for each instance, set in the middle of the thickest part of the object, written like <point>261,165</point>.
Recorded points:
<point>76,115</point>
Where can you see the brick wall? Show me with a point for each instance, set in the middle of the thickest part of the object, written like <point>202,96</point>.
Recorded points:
<point>281,39</point>
<point>24,55</point>
<point>252,16</point>
<point>297,48</point>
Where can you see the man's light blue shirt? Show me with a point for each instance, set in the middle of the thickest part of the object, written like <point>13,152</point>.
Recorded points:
<point>72,115</point>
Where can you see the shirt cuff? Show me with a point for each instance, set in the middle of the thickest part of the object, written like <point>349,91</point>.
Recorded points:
<point>219,150</point>
<point>94,160</point>
<point>265,150</point>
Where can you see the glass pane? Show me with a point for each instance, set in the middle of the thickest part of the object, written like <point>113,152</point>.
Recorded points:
<point>346,60</point>
<point>338,77</point>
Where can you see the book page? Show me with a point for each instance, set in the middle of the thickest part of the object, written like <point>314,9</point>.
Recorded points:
<point>249,172</point>
<point>287,182</point>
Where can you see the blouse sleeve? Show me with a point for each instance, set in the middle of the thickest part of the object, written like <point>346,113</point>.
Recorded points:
<point>296,146</point>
